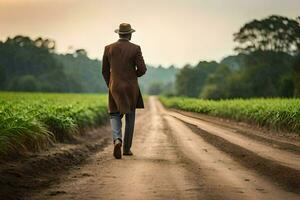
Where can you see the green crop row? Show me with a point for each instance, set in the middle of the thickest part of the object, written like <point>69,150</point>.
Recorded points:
<point>31,121</point>
<point>275,113</point>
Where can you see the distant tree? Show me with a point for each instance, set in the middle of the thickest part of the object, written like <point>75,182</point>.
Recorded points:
<point>234,62</point>
<point>260,74</point>
<point>267,43</point>
<point>238,86</point>
<point>169,89</point>
<point>157,74</point>
<point>82,73</point>
<point>49,44</point>
<point>80,52</point>
<point>21,41</point>
<point>25,83</point>
<point>155,88</point>
<point>190,80</point>
<point>216,84</point>
<point>45,44</point>
<point>275,33</point>
<point>298,33</point>
<point>39,42</point>
<point>161,88</point>
<point>183,84</point>
<point>171,67</point>
<point>2,77</point>
<point>265,71</point>
<point>263,67</point>
<point>286,86</point>
<point>29,65</point>
<point>296,76</point>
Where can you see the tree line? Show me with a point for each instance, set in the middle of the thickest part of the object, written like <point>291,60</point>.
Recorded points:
<point>267,64</point>
<point>33,65</point>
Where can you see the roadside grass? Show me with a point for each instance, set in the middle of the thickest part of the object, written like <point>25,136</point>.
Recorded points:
<point>32,121</point>
<point>275,113</point>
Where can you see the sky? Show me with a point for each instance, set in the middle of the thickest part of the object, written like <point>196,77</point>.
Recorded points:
<point>170,32</point>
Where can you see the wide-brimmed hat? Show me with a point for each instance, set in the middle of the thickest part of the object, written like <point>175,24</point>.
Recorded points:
<point>124,28</point>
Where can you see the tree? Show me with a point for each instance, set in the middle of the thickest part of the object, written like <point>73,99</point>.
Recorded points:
<point>275,33</point>
<point>168,89</point>
<point>24,83</point>
<point>161,88</point>
<point>265,71</point>
<point>183,81</point>
<point>216,84</point>
<point>2,77</point>
<point>80,53</point>
<point>29,65</point>
<point>157,74</point>
<point>296,76</point>
<point>269,44</point>
<point>155,88</point>
<point>190,80</point>
<point>21,41</point>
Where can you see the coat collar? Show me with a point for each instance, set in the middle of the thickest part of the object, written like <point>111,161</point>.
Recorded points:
<point>124,39</point>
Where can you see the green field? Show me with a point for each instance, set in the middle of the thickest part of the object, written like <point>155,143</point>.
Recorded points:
<point>31,121</point>
<point>274,113</point>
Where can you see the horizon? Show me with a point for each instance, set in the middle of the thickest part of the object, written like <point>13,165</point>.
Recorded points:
<point>166,32</point>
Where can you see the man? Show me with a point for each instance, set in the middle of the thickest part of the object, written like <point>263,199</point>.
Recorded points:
<point>122,63</point>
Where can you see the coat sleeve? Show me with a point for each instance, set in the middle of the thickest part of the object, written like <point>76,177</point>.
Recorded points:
<point>105,67</point>
<point>140,63</point>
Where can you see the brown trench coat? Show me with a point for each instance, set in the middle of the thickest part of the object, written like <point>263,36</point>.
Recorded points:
<point>122,63</point>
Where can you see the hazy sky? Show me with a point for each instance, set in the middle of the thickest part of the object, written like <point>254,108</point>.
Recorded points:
<point>169,31</point>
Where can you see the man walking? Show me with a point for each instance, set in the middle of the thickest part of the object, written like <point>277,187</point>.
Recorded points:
<point>122,63</point>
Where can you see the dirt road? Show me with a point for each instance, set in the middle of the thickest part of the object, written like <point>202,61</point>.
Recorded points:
<point>173,161</point>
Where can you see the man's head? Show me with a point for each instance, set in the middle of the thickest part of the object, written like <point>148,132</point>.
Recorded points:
<point>125,36</point>
<point>125,31</point>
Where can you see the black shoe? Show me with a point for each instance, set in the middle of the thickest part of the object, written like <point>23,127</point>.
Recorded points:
<point>127,153</point>
<point>117,149</point>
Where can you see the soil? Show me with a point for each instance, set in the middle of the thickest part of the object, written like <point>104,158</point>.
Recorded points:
<point>176,156</point>
<point>37,171</point>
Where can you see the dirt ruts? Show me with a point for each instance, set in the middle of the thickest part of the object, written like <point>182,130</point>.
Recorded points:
<point>178,156</point>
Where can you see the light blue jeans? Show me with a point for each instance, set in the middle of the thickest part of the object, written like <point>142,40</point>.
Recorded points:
<point>116,125</point>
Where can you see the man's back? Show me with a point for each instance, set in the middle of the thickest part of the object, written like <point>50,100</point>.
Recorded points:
<point>122,57</point>
<point>121,65</point>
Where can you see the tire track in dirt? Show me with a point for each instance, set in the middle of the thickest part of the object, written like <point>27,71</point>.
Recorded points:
<point>278,165</point>
<point>170,162</point>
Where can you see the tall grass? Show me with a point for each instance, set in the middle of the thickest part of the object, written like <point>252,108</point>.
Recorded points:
<point>30,121</point>
<point>275,113</point>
